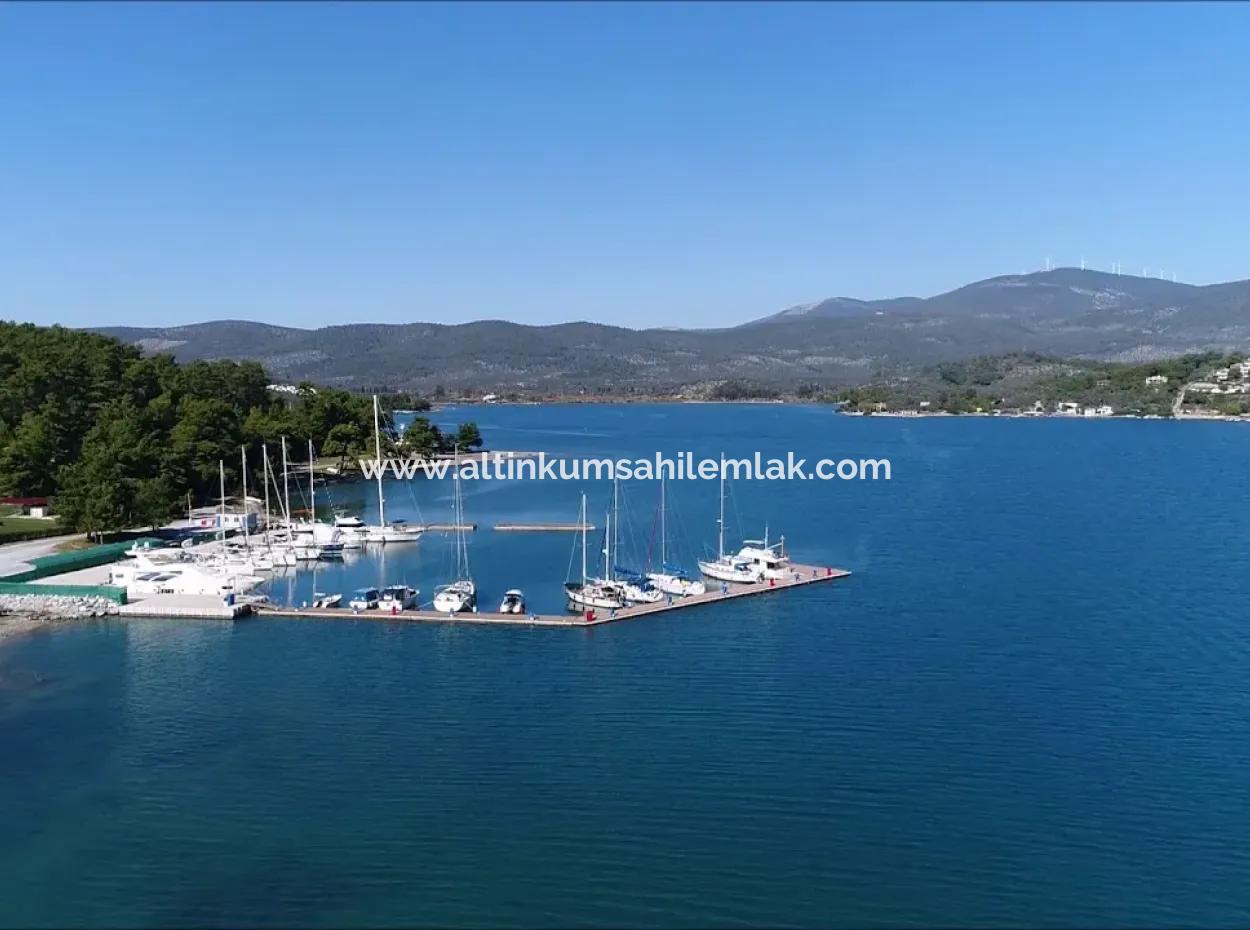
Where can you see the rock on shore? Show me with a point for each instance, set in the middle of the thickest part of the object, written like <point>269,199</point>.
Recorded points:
<point>20,613</point>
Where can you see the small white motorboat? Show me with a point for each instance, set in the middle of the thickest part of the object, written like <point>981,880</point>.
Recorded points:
<point>513,602</point>
<point>397,597</point>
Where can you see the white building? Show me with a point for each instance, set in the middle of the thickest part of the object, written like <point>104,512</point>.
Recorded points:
<point>1068,408</point>
<point>1202,387</point>
<point>1221,374</point>
<point>1157,379</point>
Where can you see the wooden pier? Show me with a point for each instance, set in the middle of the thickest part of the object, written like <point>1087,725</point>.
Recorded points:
<point>801,575</point>
<point>544,527</point>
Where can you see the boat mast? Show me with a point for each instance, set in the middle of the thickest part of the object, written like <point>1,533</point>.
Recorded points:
<point>264,454</point>
<point>663,547</point>
<point>312,486</point>
<point>245,539</point>
<point>286,491</point>
<point>583,540</point>
<point>221,519</point>
<point>720,522</point>
<point>377,445</point>
<point>616,520</point>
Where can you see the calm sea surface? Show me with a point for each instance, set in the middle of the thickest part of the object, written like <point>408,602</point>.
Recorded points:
<point>1030,705</point>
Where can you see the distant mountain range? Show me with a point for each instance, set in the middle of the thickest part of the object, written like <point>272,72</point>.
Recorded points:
<point>1067,311</point>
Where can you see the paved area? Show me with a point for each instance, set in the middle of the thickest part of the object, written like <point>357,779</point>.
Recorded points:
<point>15,557</point>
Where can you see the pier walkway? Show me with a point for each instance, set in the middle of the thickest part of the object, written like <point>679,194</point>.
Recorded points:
<point>801,575</point>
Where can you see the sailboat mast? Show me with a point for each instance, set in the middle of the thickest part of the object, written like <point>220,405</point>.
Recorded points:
<point>221,470</point>
<point>663,540</point>
<point>616,522</point>
<point>245,511</point>
<point>264,455</point>
<point>377,445</point>
<point>583,540</point>
<point>286,491</point>
<point>312,486</point>
<point>720,522</point>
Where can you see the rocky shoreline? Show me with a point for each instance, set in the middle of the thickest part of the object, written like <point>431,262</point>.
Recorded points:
<point>22,613</point>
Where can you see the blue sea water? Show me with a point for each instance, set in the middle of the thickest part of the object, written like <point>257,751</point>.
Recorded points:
<point>1029,706</point>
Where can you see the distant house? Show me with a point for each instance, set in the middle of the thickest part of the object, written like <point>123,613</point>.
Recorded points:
<point>284,388</point>
<point>28,506</point>
<point>925,403</point>
<point>1202,387</point>
<point>1221,374</point>
<point>1069,408</point>
<point>1157,379</point>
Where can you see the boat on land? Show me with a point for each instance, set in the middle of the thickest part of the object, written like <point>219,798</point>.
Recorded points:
<point>513,602</point>
<point>397,531</point>
<point>727,567</point>
<point>461,594</point>
<point>591,593</point>
<point>671,578</point>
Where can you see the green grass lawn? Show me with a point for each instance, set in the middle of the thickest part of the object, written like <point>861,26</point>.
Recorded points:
<point>18,526</point>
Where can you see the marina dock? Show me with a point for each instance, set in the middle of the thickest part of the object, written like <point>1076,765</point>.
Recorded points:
<point>544,527</point>
<point>802,575</point>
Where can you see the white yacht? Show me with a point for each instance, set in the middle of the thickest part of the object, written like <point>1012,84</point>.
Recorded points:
<point>768,562</point>
<point>513,602</point>
<point>142,577</point>
<point>727,567</point>
<point>323,601</point>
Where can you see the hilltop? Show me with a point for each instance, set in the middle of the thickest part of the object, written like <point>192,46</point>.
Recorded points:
<point>839,341</point>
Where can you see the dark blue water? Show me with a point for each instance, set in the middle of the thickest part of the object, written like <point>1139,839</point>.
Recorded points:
<point>1029,706</point>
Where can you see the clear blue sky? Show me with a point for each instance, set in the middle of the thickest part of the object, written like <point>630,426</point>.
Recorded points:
<point>646,165</point>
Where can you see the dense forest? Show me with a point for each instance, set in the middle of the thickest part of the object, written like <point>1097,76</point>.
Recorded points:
<point>120,439</point>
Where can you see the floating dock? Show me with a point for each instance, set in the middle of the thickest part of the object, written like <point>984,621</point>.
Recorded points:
<point>184,606</point>
<point>447,527</point>
<point>801,575</point>
<point>545,527</point>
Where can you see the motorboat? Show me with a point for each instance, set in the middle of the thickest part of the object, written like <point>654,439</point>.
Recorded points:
<point>323,601</point>
<point>364,599</point>
<point>513,602</point>
<point>397,597</point>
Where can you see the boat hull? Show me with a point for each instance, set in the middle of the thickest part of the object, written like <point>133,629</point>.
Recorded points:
<point>722,571</point>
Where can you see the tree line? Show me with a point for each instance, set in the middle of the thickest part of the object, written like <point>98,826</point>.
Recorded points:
<point>120,439</point>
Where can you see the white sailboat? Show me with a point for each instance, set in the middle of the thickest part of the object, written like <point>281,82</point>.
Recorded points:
<point>592,592</point>
<point>461,594</point>
<point>278,553</point>
<point>327,540</point>
<point>398,531</point>
<point>726,567</point>
<point>671,579</point>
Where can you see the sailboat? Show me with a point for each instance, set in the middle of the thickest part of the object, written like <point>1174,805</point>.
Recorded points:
<point>398,530</point>
<point>671,579</point>
<point>461,593</point>
<point>726,567</point>
<point>635,586</point>
<point>327,540</point>
<point>279,553</point>
<point>593,592</point>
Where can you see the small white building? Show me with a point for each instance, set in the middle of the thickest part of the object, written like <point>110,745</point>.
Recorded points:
<point>1221,374</point>
<point>1068,408</point>
<point>1157,379</point>
<point>1202,387</point>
